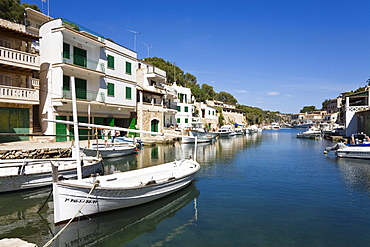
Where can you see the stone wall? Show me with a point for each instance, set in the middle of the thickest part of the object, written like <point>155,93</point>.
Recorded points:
<point>45,153</point>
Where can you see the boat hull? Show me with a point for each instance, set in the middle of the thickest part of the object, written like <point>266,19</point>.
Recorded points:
<point>18,176</point>
<point>121,190</point>
<point>110,152</point>
<point>354,152</point>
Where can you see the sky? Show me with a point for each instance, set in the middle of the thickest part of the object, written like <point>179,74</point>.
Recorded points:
<point>277,55</point>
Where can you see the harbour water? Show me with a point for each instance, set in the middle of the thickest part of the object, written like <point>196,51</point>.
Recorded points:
<point>269,189</point>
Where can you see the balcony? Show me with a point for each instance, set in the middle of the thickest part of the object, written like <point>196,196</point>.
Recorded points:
<point>19,58</point>
<point>85,95</point>
<point>19,95</point>
<point>84,62</point>
<point>153,72</point>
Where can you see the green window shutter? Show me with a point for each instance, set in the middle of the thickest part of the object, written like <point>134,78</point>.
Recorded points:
<point>186,120</point>
<point>66,51</point>
<point>66,85</point>
<point>178,120</point>
<point>81,92</point>
<point>128,93</point>
<point>186,109</point>
<point>110,62</point>
<point>178,108</point>
<point>110,89</point>
<point>128,68</point>
<point>79,57</point>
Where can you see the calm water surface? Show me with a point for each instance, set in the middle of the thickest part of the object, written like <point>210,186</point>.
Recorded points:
<point>268,189</point>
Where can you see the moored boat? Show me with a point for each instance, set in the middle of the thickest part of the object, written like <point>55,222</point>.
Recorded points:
<point>20,174</point>
<point>110,150</point>
<point>120,190</point>
<point>226,131</point>
<point>359,147</point>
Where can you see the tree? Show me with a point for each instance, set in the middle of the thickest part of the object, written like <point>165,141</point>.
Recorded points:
<point>226,98</point>
<point>13,10</point>
<point>324,104</point>
<point>310,108</point>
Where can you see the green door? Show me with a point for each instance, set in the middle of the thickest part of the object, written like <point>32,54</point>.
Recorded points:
<point>14,120</point>
<point>61,129</point>
<point>154,125</point>
<point>79,57</point>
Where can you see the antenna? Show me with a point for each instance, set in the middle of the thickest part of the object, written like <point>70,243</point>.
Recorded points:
<point>135,33</point>
<point>149,46</point>
<point>174,71</point>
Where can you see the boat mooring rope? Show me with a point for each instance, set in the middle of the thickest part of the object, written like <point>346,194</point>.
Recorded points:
<point>95,184</point>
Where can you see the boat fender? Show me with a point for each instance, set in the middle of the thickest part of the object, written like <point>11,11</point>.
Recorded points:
<point>96,183</point>
<point>171,178</point>
<point>61,178</point>
<point>82,163</point>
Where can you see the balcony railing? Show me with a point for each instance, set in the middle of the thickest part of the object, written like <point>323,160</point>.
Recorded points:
<point>18,93</point>
<point>156,71</point>
<point>81,61</point>
<point>19,58</point>
<point>84,94</point>
<point>358,108</point>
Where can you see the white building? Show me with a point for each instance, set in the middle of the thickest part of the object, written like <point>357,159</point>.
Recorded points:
<point>184,115</point>
<point>207,115</point>
<point>104,74</point>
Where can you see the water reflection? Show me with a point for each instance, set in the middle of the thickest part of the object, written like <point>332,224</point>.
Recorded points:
<point>18,210</point>
<point>19,215</point>
<point>117,228</point>
<point>356,173</point>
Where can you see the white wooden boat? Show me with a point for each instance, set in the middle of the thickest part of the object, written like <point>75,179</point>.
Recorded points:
<point>20,174</point>
<point>110,150</point>
<point>226,131</point>
<point>120,190</point>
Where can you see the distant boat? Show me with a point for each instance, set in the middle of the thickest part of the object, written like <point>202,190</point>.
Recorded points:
<point>226,131</point>
<point>311,133</point>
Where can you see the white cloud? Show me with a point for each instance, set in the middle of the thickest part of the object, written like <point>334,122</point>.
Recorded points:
<point>241,91</point>
<point>273,93</point>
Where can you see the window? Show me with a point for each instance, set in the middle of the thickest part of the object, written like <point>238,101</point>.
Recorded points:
<point>110,89</point>
<point>110,62</point>
<point>128,68</point>
<point>178,108</point>
<point>186,109</point>
<point>186,120</point>
<point>66,51</point>
<point>178,120</point>
<point>128,93</point>
<point>6,80</point>
<point>6,43</point>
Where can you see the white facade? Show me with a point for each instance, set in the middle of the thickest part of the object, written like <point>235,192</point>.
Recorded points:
<point>207,115</point>
<point>104,89</point>
<point>184,115</point>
